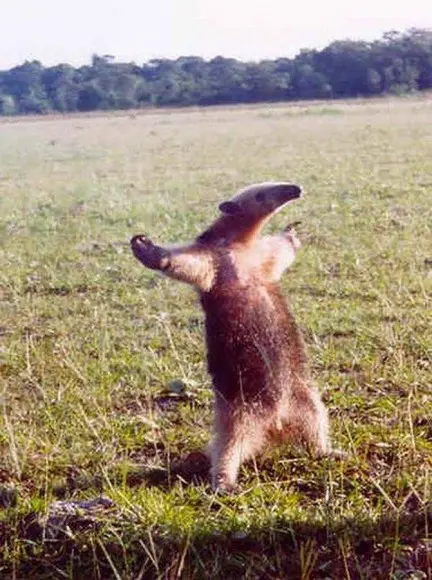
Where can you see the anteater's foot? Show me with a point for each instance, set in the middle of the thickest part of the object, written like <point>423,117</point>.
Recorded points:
<point>338,454</point>
<point>223,486</point>
<point>149,254</point>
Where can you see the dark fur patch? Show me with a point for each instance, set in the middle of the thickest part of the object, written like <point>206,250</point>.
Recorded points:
<point>230,208</point>
<point>253,344</point>
<point>207,237</point>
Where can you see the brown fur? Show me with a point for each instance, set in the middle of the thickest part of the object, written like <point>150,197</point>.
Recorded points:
<point>256,353</point>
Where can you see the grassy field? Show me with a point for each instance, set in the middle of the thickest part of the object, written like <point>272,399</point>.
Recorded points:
<point>103,385</point>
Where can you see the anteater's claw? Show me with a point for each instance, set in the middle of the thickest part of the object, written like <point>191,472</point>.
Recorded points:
<point>291,226</point>
<point>141,239</point>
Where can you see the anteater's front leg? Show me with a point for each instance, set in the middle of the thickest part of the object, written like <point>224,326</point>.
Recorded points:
<point>190,264</point>
<point>277,253</point>
<point>152,256</point>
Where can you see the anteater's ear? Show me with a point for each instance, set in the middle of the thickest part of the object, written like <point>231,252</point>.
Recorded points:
<point>229,208</point>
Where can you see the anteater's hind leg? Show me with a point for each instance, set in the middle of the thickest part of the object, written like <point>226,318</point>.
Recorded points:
<point>236,438</point>
<point>306,420</point>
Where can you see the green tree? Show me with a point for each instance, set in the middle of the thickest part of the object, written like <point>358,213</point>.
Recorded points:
<point>399,62</point>
<point>7,105</point>
<point>310,84</point>
<point>61,87</point>
<point>91,98</point>
<point>24,84</point>
<point>346,64</point>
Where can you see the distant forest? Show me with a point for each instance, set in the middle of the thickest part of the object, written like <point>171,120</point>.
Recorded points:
<point>398,63</point>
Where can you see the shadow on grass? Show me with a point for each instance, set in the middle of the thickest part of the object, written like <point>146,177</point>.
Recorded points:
<point>395,547</point>
<point>114,543</point>
<point>192,469</point>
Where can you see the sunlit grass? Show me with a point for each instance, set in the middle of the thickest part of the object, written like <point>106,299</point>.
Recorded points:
<point>91,342</point>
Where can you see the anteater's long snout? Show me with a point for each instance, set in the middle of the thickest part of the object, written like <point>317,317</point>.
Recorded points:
<point>288,192</point>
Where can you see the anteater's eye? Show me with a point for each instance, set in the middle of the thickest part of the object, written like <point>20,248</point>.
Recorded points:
<point>260,196</point>
<point>230,207</point>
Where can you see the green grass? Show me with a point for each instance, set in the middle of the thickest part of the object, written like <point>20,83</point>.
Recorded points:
<point>91,342</point>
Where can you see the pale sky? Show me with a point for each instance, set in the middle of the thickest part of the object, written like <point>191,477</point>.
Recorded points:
<point>55,31</point>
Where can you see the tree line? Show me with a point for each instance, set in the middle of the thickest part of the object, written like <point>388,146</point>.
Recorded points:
<point>398,63</point>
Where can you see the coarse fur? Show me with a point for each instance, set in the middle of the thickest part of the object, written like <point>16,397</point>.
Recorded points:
<point>256,354</point>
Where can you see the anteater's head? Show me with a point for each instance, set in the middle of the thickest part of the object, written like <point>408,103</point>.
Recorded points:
<point>245,214</point>
<point>261,200</point>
